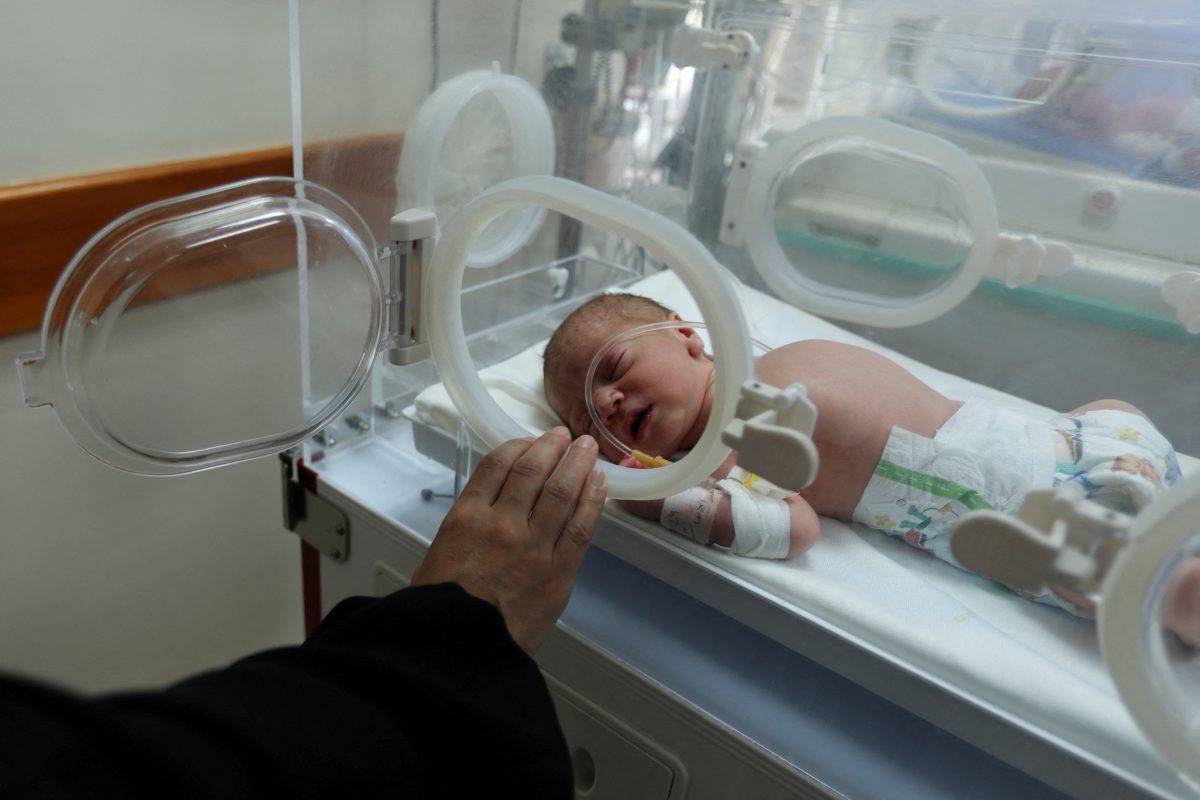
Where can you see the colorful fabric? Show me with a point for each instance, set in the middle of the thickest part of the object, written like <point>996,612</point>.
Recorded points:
<point>1120,459</point>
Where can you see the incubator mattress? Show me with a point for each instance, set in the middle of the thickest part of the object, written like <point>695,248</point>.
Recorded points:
<point>1025,661</point>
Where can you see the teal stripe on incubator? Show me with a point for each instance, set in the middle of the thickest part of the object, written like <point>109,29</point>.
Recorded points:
<point>1133,320</point>
<point>932,484</point>
<point>840,249</point>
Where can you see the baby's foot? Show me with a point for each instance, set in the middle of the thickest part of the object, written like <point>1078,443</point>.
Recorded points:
<point>1181,608</point>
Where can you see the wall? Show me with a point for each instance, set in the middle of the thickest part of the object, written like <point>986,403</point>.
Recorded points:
<point>110,580</point>
<point>114,83</point>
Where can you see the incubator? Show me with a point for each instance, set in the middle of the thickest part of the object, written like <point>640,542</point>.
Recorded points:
<point>1000,196</point>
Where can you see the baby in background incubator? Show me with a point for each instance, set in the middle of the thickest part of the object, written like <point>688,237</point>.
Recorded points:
<point>1162,129</point>
<point>894,454</point>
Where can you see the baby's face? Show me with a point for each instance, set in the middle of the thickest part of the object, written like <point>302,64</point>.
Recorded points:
<point>654,392</point>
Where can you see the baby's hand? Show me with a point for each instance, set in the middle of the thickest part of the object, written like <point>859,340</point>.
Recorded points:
<point>629,461</point>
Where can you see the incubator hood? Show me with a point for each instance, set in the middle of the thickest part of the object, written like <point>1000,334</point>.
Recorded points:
<point>293,291</point>
<point>314,277</point>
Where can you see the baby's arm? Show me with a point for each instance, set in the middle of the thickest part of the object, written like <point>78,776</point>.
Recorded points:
<point>805,524</point>
<point>707,517</point>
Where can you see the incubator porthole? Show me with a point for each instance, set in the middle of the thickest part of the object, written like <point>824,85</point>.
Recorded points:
<point>708,282</point>
<point>854,217</point>
<point>477,130</point>
<point>868,221</point>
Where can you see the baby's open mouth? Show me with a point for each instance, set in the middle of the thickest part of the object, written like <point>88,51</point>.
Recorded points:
<point>639,424</point>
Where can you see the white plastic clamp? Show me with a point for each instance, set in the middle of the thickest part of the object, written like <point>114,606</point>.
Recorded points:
<point>1020,259</point>
<point>772,432</point>
<point>1059,537</point>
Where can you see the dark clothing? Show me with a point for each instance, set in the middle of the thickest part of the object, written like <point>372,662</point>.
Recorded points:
<point>420,694</point>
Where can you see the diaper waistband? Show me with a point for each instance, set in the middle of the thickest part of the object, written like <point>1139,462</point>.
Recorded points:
<point>1022,444</point>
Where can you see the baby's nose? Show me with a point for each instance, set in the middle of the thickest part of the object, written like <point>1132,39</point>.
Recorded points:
<point>607,400</point>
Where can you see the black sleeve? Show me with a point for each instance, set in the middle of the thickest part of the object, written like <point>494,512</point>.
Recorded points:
<point>419,694</point>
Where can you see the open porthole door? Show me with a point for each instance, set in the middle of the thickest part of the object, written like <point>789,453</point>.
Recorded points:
<point>211,328</point>
<point>663,240</point>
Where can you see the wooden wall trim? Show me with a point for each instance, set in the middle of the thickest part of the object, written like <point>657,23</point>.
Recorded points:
<point>43,224</point>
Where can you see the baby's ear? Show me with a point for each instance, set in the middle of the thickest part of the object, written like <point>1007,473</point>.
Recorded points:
<point>695,345</point>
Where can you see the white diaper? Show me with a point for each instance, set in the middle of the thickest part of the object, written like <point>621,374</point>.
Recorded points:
<point>982,457</point>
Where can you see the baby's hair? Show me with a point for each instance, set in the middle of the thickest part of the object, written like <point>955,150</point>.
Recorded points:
<point>602,308</point>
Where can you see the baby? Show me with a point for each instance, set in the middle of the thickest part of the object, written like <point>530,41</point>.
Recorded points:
<point>894,454</point>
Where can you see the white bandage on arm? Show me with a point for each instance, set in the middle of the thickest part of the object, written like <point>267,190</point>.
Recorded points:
<point>761,525</point>
<point>691,513</point>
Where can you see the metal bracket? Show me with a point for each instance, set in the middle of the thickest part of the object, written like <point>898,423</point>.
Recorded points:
<point>413,231</point>
<point>310,516</point>
<point>740,175</point>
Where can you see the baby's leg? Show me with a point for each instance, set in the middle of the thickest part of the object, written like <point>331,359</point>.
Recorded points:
<point>1107,405</point>
<point>1181,608</point>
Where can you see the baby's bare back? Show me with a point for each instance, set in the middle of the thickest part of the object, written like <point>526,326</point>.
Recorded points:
<point>860,396</point>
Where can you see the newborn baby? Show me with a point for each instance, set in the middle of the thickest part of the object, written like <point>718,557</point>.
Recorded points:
<point>894,454</point>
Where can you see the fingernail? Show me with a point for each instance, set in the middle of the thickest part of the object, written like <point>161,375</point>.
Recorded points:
<point>585,442</point>
<point>597,479</point>
<point>559,430</point>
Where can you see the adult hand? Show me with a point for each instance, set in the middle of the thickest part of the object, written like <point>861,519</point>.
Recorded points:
<point>517,534</point>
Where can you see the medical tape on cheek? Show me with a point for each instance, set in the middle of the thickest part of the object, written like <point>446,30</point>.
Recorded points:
<point>691,513</point>
<point>761,525</point>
